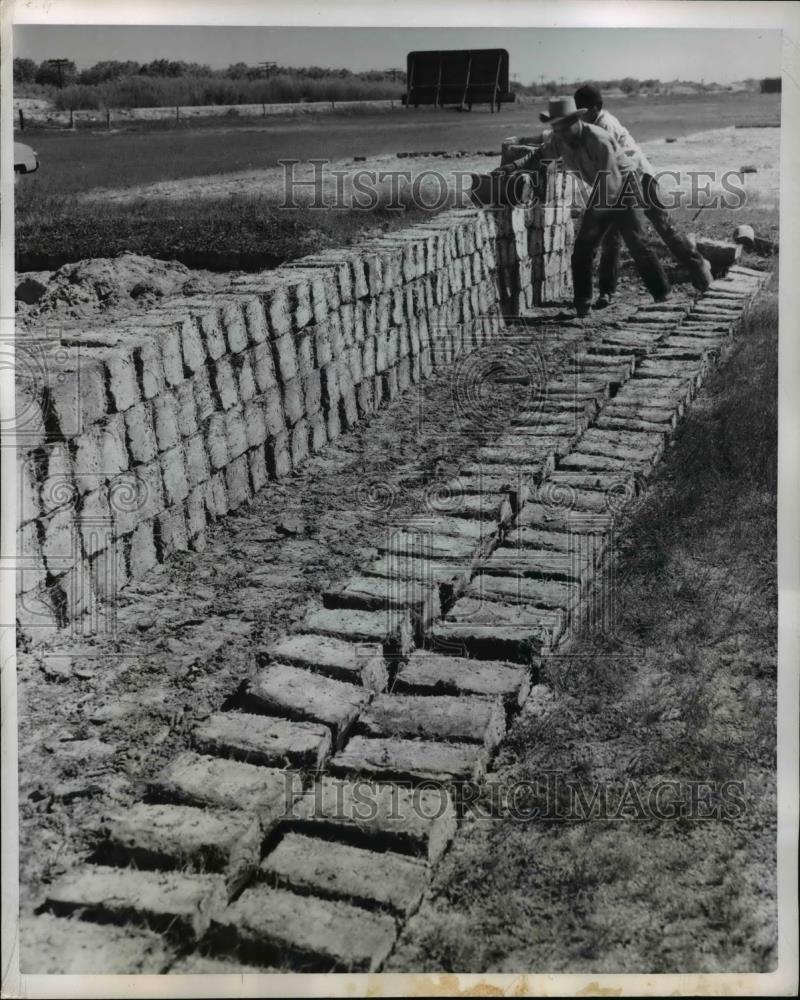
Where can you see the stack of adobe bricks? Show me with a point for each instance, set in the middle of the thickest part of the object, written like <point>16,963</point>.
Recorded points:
<point>133,437</point>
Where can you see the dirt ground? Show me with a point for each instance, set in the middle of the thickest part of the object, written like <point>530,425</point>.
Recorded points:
<point>719,151</point>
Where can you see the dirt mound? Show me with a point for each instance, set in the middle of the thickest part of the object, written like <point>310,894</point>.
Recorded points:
<point>107,285</point>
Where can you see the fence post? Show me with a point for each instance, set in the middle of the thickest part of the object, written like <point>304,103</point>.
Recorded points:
<point>263,110</point>
<point>71,119</point>
<point>177,114</point>
<point>21,121</point>
<point>108,118</point>
<point>333,105</point>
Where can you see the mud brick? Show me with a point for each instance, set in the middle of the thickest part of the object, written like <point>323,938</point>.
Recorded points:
<point>245,378</point>
<point>172,530</point>
<point>95,522</point>
<point>458,527</point>
<point>233,323</point>
<point>523,590</point>
<point>570,567</point>
<point>134,495</point>
<point>435,717</point>
<point>88,464</point>
<point>217,495</point>
<point>605,482</point>
<point>365,399</point>
<point>294,693</point>
<point>257,467</point>
<point>53,946</point>
<point>255,321</point>
<point>357,663</point>
<point>236,432</point>
<point>390,387</point>
<point>197,780</point>
<point>293,401</point>
<point>108,570</point>
<point>278,310</point>
<point>180,836</point>
<point>120,370</point>
<point>279,459</point>
<point>272,404</point>
<point>164,898</point>
<point>317,432</point>
<point>254,423</point>
<point>173,470</point>
<point>329,377</point>
<point>304,349</point>
<point>419,822</point>
<point>212,333</point>
<point>59,485</point>
<point>312,392</point>
<point>531,440</point>
<point>141,437</point>
<point>263,367</point>
<point>410,760</point>
<point>374,593</point>
<point>285,358</point>
<point>323,353</point>
<point>426,545</point>
<point>330,933</point>
<point>60,539</point>
<point>197,465</point>
<point>498,631</point>
<point>340,871</point>
<point>298,437</point>
<point>204,401</point>
<point>237,482</point>
<point>636,445</point>
<point>437,674</point>
<point>258,739</point>
<point>143,555</point>
<point>31,570</point>
<point>370,315</point>
<point>217,441</point>
<point>197,510</point>
<point>348,409</point>
<point>391,627</point>
<point>147,357</point>
<point>165,418</point>
<point>383,314</point>
<point>581,460</point>
<point>369,357</point>
<point>192,347</point>
<point>449,578</point>
<point>223,383</point>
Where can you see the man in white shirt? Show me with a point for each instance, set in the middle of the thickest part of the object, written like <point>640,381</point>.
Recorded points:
<point>594,155</point>
<point>590,98</point>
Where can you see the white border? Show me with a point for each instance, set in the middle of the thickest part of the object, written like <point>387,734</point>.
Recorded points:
<point>461,13</point>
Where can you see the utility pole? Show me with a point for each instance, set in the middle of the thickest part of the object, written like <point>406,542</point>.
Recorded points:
<point>269,68</point>
<point>59,63</point>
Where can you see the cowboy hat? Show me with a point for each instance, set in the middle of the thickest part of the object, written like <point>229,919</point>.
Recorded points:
<point>561,109</point>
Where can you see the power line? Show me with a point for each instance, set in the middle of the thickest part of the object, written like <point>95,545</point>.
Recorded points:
<point>60,63</point>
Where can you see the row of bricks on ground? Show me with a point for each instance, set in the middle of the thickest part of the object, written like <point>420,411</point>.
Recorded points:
<point>300,925</point>
<point>223,410</point>
<point>291,857</point>
<point>80,383</point>
<point>177,536</point>
<point>253,826</point>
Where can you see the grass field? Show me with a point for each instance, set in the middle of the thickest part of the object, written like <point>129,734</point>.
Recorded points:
<point>76,162</point>
<point>680,693</point>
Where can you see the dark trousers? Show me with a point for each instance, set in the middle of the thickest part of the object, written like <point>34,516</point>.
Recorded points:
<point>677,244</point>
<point>626,222</point>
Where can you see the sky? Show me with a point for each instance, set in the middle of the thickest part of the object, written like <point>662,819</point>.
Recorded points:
<point>718,55</point>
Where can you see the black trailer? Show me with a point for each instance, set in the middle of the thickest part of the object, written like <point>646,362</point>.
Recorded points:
<point>460,77</point>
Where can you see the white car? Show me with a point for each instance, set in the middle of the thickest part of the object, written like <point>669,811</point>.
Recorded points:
<point>26,160</point>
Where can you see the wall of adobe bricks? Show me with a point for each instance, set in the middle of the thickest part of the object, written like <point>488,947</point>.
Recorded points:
<point>133,438</point>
